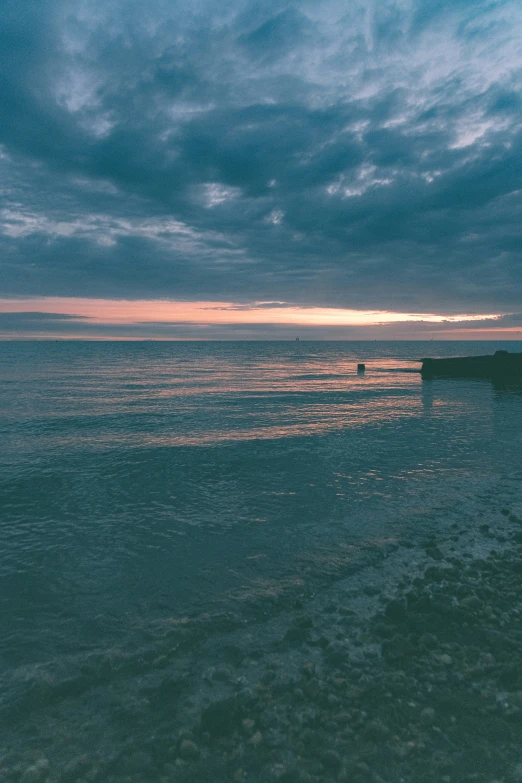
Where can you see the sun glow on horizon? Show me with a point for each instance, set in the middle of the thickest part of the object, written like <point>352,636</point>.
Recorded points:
<point>133,312</point>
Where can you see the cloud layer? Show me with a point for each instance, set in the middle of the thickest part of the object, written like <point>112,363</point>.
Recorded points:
<point>363,155</point>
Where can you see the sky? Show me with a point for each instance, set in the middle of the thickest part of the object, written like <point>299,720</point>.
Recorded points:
<point>231,169</point>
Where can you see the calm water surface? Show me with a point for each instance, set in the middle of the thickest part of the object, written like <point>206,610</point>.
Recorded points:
<point>143,483</point>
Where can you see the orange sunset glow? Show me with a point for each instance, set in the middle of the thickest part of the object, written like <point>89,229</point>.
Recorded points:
<point>105,311</point>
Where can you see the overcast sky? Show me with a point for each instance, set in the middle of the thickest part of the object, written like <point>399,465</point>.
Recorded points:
<point>324,156</point>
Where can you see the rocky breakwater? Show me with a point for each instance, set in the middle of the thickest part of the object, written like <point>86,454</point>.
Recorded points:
<point>502,365</point>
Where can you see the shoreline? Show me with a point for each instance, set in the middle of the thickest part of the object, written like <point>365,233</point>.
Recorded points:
<point>417,681</point>
<point>404,670</point>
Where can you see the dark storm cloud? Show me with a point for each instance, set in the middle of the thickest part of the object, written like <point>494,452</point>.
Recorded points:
<point>364,155</point>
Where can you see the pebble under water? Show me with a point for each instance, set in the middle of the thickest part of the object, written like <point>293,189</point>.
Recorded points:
<point>246,562</point>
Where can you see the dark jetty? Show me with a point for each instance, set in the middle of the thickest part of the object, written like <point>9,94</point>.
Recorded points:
<point>502,365</point>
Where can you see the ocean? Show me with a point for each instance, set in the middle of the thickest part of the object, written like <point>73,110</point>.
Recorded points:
<point>156,497</point>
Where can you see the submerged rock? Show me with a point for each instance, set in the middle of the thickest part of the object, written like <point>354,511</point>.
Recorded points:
<point>188,750</point>
<point>220,718</point>
<point>256,739</point>
<point>36,773</point>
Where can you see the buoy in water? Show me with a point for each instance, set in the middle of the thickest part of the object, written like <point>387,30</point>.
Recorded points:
<point>361,368</point>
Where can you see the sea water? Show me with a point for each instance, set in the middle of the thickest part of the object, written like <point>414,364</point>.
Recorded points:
<point>147,488</point>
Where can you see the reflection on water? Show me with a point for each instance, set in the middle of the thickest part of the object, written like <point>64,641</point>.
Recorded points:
<point>507,387</point>
<point>427,396</point>
<point>175,399</point>
<point>144,484</point>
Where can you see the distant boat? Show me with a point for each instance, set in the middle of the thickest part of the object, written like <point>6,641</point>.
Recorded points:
<point>297,339</point>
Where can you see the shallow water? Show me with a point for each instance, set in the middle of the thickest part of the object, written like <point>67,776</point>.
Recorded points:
<point>143,484</point>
